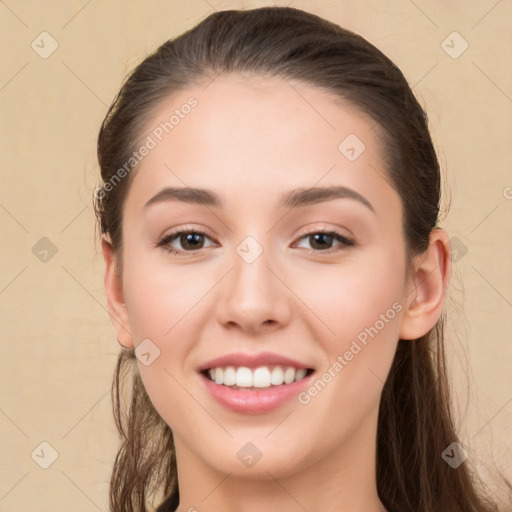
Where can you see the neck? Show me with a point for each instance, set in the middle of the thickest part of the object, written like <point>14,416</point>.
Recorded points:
<point>343,480</point>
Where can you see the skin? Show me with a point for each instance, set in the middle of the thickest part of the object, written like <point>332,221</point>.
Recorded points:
<point>251,140</point>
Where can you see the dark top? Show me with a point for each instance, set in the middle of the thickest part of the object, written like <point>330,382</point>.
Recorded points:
<point>170,504</point>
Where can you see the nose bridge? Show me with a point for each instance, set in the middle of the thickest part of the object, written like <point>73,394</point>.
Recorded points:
<point>252,294</point>
<point>252,279</point>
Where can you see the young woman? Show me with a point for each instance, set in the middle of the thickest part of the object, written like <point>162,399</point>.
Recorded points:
<point>276,277</point>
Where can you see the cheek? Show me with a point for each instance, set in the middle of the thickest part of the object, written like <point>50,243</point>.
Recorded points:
<point>162,305</point>
<point>349,298</point>
<point>362,307</point>
<point>160,299</point>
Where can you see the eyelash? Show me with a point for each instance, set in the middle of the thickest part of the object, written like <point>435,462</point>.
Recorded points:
<point>167,239</point>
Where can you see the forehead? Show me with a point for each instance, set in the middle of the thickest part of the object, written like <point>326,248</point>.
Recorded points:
<point>259,134</point>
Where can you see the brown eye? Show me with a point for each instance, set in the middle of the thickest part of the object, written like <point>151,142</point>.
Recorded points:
<point>191,241</point>
<point>322,241</point>
<point>188,241</point>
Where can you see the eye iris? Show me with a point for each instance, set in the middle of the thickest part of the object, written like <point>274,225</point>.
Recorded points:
<point>194,240</point>
<point>322,237</point>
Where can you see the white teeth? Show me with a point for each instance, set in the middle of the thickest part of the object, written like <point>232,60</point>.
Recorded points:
<point>229,376</point>
<point>219,376</point>
<point>300,373</point>
<point>277,377</point>
<point>289,375</point>
<point>243,377</point>
<point>261,377</point>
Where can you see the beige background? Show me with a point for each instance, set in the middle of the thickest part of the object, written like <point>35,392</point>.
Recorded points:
<point>58,346</point>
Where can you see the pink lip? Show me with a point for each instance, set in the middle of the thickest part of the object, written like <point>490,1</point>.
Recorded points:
<point>252,361</point>
<point>255,401</point>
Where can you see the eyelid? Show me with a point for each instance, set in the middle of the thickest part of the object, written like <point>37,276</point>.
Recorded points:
<point>321,228</point>
<point>174,234</point>
<point>188,228</point>
<point>345,241</point>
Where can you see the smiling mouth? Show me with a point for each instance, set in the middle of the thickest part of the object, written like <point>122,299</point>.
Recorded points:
<point>263,377</point>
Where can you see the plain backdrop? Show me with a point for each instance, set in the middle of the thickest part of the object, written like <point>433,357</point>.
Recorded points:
<point>61,65</point>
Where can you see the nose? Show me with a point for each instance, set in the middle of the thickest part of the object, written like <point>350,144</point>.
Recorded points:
<point>253,296</point>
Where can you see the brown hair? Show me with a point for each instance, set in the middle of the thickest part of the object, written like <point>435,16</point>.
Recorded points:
<point>415,422</point>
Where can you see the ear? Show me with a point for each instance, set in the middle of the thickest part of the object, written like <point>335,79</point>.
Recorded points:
<point>114,290</point>
<point>426,294</point>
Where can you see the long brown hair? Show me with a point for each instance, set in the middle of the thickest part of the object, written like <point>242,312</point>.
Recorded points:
<point>415,421</point>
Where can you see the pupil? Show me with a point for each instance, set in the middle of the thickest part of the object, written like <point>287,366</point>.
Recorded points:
<point>192,240</point>
<point>322,236</point>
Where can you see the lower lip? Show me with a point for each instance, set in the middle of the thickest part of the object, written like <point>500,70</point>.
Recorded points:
<point>255,401</point>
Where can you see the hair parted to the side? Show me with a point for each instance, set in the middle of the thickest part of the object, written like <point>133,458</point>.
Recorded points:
<point>415,422</point>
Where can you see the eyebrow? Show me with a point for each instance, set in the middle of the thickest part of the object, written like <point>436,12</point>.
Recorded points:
<point>293,199</point>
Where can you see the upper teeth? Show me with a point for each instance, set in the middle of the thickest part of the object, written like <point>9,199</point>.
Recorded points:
<point>261,377</point>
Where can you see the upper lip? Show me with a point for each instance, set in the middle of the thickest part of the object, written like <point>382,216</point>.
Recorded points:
<point>252,361</point>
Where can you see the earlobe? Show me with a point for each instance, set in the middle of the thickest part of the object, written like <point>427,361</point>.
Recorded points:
<point>114,291</point>
<point>425,299</point>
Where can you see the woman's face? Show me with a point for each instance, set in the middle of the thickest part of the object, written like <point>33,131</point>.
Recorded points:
<point>258,285</point>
